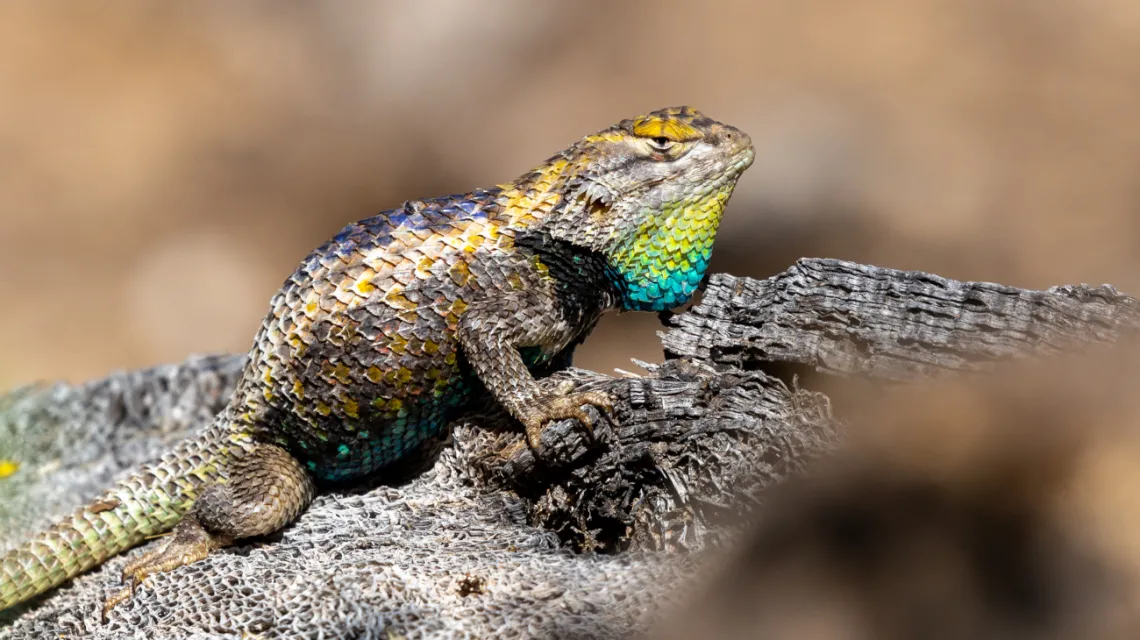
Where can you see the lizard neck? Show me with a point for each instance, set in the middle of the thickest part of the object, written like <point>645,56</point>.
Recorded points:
<point>537,208</point>
<point>656,252</point>
<point>585,282</point>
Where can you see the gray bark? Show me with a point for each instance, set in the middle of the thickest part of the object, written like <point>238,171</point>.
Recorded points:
<point>846,318</point>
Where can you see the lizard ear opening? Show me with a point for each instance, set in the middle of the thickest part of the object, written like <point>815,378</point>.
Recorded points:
<point>597,209</point>
<point>596,199</point>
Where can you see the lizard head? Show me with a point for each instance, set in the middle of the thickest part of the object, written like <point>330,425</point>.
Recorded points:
<point>647,194</point>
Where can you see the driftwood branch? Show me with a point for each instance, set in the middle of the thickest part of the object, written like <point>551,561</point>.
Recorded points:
<point>846,318</point>
<point>473,540</point>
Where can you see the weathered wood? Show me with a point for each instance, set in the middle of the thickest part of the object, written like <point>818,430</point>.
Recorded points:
<point>487,518</point>
<point>692,442</point>
<point>847,318</point>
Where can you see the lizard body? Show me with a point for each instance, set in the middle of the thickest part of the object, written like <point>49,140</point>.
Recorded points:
<point>386,330</point>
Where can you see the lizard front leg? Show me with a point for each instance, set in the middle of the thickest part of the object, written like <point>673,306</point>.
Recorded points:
<point>491,338</point>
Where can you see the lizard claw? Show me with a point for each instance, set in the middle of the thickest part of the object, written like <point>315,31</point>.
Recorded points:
<point>121,596</point>
<point>567,406</point>
<point>134,574</point>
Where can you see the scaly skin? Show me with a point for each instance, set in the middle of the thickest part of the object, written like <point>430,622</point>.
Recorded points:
<point>385,331</point>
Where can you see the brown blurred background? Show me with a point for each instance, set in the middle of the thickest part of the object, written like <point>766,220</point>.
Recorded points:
<point>163,166</point>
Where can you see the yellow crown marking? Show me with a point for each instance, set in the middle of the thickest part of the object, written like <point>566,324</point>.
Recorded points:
<point>674,130</point>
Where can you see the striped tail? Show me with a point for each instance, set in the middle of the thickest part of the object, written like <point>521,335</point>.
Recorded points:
<point>151,501</point>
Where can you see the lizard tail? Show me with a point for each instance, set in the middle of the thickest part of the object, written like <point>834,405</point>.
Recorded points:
<point>149,502</point>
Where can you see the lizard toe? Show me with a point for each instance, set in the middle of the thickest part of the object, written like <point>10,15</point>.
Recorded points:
<point>189,543</point>
<point>562,407</point>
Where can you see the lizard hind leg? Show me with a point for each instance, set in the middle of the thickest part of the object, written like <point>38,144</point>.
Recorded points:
<point>266,490</point>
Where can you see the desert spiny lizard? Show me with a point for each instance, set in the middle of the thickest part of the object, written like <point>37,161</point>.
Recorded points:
<point>385,331</point>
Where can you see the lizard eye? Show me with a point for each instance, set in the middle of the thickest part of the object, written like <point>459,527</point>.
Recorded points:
<point>660,143</point>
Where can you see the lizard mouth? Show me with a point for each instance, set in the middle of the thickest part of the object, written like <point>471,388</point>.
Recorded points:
<point>744,157</point>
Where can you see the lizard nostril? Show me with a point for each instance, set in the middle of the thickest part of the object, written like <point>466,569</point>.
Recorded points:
<point>732,136</point>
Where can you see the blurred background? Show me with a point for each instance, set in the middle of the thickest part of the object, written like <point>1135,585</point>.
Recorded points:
<point>164,166</point>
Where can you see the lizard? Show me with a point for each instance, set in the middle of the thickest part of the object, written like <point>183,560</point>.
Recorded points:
<point>386,331</point>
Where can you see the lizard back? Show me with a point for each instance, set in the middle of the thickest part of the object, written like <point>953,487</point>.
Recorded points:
<point>357,361</point>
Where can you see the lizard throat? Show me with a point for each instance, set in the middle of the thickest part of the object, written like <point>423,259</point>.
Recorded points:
<point>663,262</point>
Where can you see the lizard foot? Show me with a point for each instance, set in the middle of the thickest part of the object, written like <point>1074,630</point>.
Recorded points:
<point>567,406</point>
<point>189,543</point>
